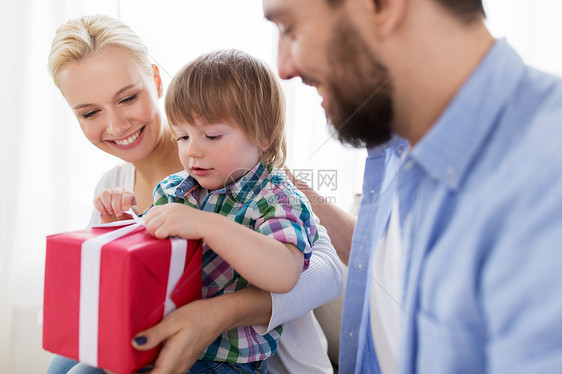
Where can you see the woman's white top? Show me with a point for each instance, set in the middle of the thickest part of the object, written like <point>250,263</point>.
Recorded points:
<point>303,345</point>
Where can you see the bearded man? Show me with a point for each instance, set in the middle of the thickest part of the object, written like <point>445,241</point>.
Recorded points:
<point>455,258</point>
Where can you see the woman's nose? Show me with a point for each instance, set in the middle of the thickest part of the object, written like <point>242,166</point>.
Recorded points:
<point>116,124</point>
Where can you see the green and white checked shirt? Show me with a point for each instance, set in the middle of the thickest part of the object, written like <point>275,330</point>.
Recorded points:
<point>265,200</point>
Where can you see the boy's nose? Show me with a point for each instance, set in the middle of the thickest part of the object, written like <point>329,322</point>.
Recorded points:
<point>194,149</point>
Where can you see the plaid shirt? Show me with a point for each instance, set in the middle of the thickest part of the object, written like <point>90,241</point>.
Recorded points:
<point>265,201</point>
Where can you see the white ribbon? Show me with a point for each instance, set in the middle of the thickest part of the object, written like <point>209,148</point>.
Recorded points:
<point>90,282</point>
<point>177,264</point>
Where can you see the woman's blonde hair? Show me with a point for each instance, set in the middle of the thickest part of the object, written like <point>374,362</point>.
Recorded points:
<point>234,87</point>
<point>81,37</point>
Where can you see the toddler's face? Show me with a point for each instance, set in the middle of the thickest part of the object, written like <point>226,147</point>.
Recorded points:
<point>215,154</point>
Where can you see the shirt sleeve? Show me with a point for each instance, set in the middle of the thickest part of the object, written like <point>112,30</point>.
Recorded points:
<point>287,217</point>
<point>522,284</point>
<point>322,282</point>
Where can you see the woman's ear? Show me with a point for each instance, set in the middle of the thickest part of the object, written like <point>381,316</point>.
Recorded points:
<point>158,80</point>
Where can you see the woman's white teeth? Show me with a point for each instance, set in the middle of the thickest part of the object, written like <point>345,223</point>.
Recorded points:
<point>129,140</point>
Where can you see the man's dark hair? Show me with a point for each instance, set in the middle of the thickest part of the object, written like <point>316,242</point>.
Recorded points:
<point>466,10</point>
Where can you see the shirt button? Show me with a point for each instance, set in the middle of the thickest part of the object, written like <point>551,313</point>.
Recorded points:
<point>400,150</point>
<point>408,165</point>
<point>452,176</point>
<point>372,192</point>
<point>360,266</point>
<point>350,334</point>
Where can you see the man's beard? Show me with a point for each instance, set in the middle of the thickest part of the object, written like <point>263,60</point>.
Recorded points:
<point>361,109</point>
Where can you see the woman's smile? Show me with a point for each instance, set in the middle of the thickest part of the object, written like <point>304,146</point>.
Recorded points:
<point>129,141</point>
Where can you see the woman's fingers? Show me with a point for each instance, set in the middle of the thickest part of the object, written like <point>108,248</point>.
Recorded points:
<point>121,200</point>
<point>155,335</point>
<point>186,333</point>
<point>113,202</point>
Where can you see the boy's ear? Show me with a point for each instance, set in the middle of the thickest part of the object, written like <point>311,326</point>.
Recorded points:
<point>158,80</point>
<point>264,147</point>
<point>265,144</point>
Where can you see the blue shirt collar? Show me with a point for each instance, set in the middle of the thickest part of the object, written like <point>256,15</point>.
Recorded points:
<point>447,151</point>
<point>396,143</point>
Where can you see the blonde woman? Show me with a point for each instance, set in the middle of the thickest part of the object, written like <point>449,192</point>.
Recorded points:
<point>103,70</point>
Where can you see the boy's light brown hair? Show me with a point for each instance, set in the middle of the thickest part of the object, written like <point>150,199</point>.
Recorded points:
<point>235,88</point>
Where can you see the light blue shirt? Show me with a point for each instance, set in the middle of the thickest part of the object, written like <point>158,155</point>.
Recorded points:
<point>482,255</point>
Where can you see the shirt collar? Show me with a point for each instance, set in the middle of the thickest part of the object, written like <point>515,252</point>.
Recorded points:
<point>394,144</point>
<point>447,151</point>
<point>241,190</point>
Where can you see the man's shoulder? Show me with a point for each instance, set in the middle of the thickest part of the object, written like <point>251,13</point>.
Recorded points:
<point>536,133</point>
<point>527,141</point>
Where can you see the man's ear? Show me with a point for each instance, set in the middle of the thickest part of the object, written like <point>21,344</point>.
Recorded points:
<point>387,15</point>
<point>158,80</point>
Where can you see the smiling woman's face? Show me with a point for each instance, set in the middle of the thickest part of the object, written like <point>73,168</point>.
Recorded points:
<point>116,103</point>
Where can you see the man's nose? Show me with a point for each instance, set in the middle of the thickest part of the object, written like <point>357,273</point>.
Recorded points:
<point>285,63</point>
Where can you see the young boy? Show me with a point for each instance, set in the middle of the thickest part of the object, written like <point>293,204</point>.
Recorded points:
<point>226,110</point>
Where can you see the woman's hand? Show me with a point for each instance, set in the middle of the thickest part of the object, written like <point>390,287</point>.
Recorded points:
<point>113,202</point>
<point>185,333</point>
<point>190,329</point>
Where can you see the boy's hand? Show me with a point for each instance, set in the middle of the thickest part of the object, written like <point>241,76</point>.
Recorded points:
<point>174,220</point>
<point>113,202</point>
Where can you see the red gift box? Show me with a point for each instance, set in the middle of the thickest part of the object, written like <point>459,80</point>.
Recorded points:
<point>104,285</point>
